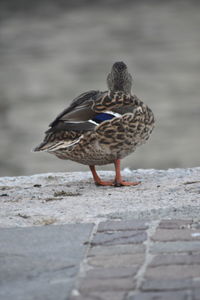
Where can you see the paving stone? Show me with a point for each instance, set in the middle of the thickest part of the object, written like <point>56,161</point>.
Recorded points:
<point>175,224</point>
<point>175,235</point>
<point>179,259</point>
<point>166,285</point>
<point>109,295</point>
<point>173,272</point>
<point>41,262</point>
<point>178,295</point>
<point>119,237</point>
<point>81,297</point>
<point>117,249</point>
<point>120,272</point>
<point>104,285</point>
<point>123,225</point>
<point>187,246</point>
<point>125,260</point>
<point>101,296</point>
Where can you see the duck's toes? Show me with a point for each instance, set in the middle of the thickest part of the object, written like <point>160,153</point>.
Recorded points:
<point>117,184</point>
<point>126,183</point>
<point>104,183</point>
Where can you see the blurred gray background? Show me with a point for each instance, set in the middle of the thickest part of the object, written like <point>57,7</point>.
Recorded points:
<point>51,51</point>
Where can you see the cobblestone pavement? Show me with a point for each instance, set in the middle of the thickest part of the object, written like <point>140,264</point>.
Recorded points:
<point>110,260</point>
<point>141,260</point>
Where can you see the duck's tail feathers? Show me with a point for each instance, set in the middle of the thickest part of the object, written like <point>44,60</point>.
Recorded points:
<point>41,147</point>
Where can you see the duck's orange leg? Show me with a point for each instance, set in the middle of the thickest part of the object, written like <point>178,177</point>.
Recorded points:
<point>98,180</point>
<point>118,177</point>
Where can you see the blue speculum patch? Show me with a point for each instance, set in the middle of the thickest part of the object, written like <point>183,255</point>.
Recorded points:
<point>102,117</point>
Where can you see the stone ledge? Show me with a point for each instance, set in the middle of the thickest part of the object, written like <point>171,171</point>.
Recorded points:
<point>59,198</point>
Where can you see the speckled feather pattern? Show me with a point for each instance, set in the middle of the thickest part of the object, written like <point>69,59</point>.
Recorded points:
<point>111,139</point>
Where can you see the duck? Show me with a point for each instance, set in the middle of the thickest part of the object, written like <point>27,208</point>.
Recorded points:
<point>101,127</point>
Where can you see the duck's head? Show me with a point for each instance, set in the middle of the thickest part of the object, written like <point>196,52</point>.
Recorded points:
<point>119,79</point>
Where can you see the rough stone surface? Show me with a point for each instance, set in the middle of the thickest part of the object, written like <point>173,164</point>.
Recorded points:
<point>58,198</point>
<point>41,262</point>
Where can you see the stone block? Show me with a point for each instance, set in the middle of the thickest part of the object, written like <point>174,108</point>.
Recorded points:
<point>101,296</point>
<point>176,246</point>
<point>119,237</point>
<point>119,272</point>
<point>125,260</point>
<point>178,295</point>
<point>173,272</point>
<point>177,259</point>
<point>117,249</point>
<point>123,225</point>
<point>104,285</point>
<point>165,235</point>
<point>175,224</point>
<point>166,285</point>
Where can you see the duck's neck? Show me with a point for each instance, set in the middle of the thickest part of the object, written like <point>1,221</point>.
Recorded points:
<point>119,92</point>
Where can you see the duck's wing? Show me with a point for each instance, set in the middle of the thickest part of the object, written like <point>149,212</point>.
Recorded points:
<point>80,109</point>
<point>72,122</point>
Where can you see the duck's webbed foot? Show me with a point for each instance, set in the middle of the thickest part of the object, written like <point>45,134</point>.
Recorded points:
<point>105,183</point>
<point>126,183</point>
<point>118,179</point>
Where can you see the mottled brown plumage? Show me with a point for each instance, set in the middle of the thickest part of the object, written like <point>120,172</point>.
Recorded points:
<point>101,127</point>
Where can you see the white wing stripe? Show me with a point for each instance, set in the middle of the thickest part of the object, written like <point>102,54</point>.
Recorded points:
<point>113,113</point>
<point>63,145</point>
<point>93,122</point>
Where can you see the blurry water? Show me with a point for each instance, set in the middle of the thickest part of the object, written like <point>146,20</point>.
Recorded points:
<point>50,56</point>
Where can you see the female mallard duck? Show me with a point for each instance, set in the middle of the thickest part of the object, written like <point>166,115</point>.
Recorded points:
<point>101,127</point>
